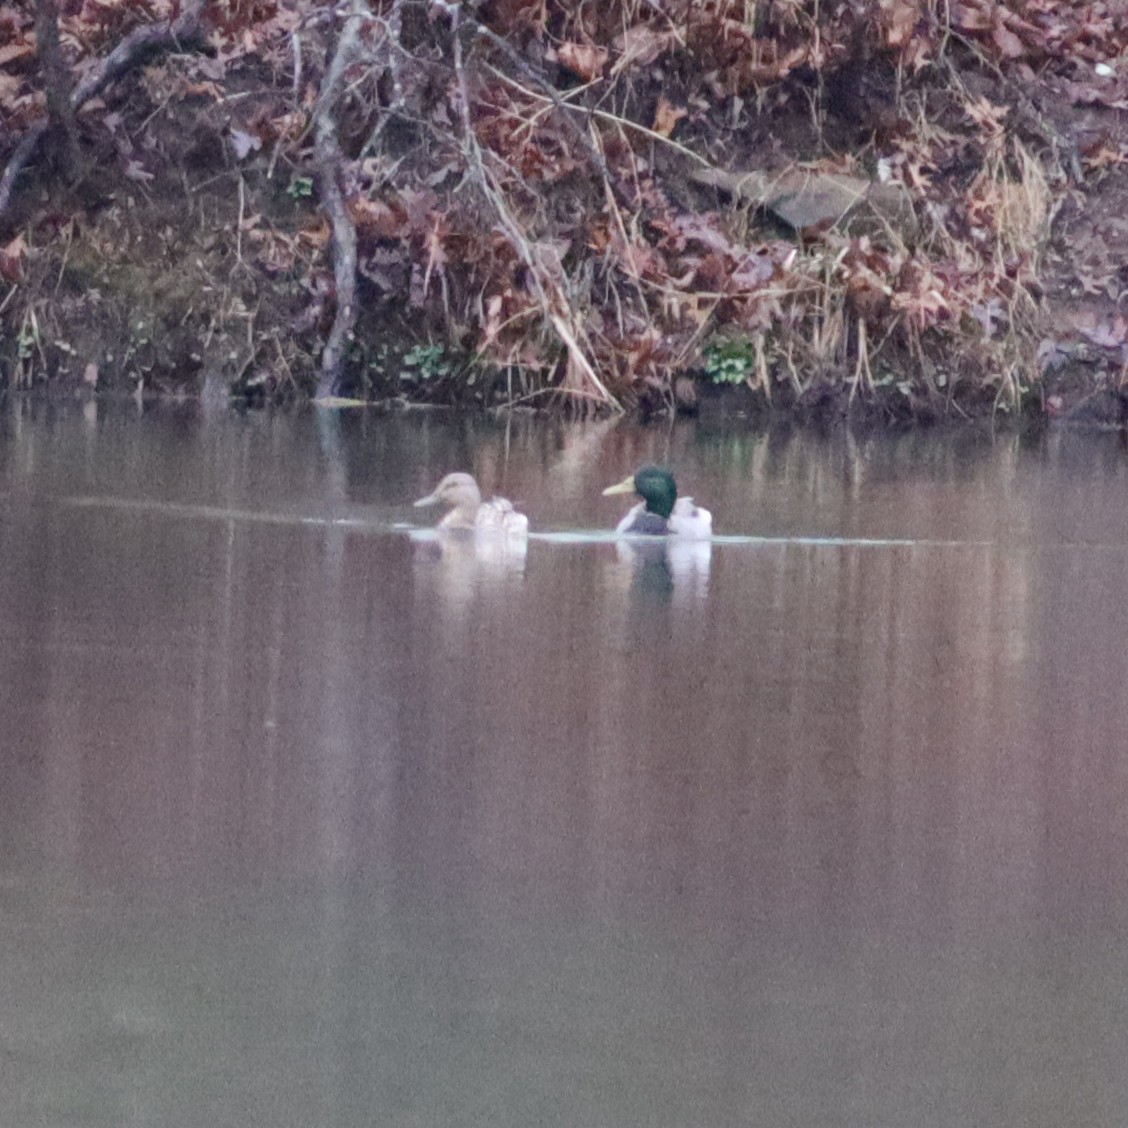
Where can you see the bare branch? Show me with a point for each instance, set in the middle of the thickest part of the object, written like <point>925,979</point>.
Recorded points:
<point>57,83</point>
<point>329,161</point>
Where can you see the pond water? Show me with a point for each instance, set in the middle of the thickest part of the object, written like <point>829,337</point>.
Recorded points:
<point>304,821</point>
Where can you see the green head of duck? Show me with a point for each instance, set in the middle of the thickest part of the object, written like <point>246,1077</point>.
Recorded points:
<point>661,512</point>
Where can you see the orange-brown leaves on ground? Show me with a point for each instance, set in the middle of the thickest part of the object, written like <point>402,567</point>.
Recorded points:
<point>12,258</point>
<point>666,116</point>
<point>10,87</point>
<point>379,219</point>
<point>898,21</point>
<point>234,16</point>
<point>504,334</point>
<point>922,297</point>
<point>642,45</point>
<point>1100,155</point>
<point>988,117</point>
<point>210,90</point>
<point>867,282</point>
<point>433,242</point>
<point>12,53</point>
<point>559,221</point>
<point>761,64</point>
<point>316,233</point>
<point>1009,44</point>
<point>637,260</point>
<point>583,59</point>
<point>14,19</point>
<point>508,16</point>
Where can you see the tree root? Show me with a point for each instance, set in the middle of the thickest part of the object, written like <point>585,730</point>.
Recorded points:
<point>184,31</point>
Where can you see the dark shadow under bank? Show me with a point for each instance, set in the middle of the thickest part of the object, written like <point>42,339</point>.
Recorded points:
<point>1077,399</point>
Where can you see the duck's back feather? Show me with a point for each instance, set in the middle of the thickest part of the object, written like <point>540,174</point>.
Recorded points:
<point>690,520</point>
<point>639,521</point>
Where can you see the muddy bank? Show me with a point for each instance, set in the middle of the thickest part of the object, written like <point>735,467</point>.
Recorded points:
<point>899,218</point>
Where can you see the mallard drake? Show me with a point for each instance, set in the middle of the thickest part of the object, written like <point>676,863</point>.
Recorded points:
<point>661,511</point>
<point>467,510</point>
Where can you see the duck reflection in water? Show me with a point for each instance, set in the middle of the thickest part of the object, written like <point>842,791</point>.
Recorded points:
<point>666,538</point>
<point>667,567</point>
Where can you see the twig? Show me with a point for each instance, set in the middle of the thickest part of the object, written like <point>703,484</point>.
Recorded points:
<point>576,393</point>
<point>548,289</point>
<point>329,161</point>
<point>458,15</point>
<point>239,224</point>
<point>604,115</point>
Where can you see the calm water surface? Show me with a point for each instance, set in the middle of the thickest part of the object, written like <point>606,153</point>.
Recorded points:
<point>303,822</point>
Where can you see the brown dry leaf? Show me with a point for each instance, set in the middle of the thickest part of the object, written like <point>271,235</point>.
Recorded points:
<point>1009,44</point>
<point>924,305</point>
<point>764,65</point>
<point>868,294</point>
<point>316,234</point>
<point>492,328</point>
<point>638,260</point>
<point>900,19</point>
<point>275,252</point>
<point>11,258</point>
<point>974,15</point>
<point>667,116</point>
<point>1106,156</point>
<point>987,115</point>
<point>377,219</point>
<point>583,59</point>
<point>15,51</point>
<point>208,89</point>
<point>288,125</point>
<point>599,237</point>
<point>433,243</point>
<point>642,45</point>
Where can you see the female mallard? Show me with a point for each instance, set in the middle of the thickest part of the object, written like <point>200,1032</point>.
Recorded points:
<point>661,511</point>
<point>467,510</point>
